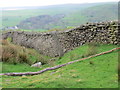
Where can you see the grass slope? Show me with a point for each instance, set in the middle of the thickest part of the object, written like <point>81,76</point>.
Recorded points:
<point>98,72</point>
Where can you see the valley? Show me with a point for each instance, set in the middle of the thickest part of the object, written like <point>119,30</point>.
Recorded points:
<point>40,44</point>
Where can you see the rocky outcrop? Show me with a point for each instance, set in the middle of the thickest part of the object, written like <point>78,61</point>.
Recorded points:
<point>56,43</point>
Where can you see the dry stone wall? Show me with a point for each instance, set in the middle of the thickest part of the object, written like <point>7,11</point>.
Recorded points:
<point>56,43</point>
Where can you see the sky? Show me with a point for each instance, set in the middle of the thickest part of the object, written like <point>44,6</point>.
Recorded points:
<point>17,3</point>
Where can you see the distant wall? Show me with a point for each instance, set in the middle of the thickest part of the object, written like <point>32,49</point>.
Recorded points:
<point>56,43</point>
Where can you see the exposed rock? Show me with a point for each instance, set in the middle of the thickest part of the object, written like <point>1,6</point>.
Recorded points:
<point>37,64</point>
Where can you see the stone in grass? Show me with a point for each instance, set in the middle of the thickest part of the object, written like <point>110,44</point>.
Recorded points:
<point>37,65</point>
<point>23,75</point>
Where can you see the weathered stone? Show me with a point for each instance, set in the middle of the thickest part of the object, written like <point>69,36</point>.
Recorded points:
<point>56,43</point>
<point>37,65</point>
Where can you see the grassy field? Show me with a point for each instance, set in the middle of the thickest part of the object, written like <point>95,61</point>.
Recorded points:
<point>12,18</point>
<point>97,13</point>
<point>75,14</point>
<point>97,72</point>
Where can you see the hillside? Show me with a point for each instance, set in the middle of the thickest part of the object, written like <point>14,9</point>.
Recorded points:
<point>41,22</point>
<point>14,17</point>
<point>74,15</point>
<point>98,72</point>
<point>60,46</point>
<point>101,13</point>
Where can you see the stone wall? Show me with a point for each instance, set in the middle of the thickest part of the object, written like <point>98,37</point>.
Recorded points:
<point>56,43</point>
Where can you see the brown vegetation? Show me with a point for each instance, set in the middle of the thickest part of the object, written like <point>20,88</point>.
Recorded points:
<point>13,53</point>
<point>18,54</point>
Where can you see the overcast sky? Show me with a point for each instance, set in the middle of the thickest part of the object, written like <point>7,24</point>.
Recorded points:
<point>16,3</point>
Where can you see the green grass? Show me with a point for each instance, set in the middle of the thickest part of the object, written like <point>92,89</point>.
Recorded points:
<point>102,73</point>
<point>97,13</point>
<point>74,14</point>
<point>75,18</point>
<point>17,68</point>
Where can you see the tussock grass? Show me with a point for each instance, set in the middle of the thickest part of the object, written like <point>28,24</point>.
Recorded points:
<point>15,54</point>
<point>92,49</point>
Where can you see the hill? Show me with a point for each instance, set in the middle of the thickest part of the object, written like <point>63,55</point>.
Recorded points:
<point>74,15</point>
<point>41,22</point>
<point>98,72</point>
<point>101,13</point>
